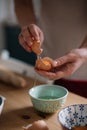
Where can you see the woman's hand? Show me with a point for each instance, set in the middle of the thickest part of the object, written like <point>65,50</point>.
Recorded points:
<point>66,65</point>
<point>28,35</point>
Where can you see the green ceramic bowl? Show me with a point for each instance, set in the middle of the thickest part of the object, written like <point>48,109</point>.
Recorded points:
<point>48,98</point>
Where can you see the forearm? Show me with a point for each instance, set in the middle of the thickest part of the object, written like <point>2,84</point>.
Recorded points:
<point>84,43</point>
<point>83,49</point>
<point>24,12</point>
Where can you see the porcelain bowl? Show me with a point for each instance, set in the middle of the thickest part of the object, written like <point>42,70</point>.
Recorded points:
<point>48,98</point>
<point>72,116</point>
<point>2,99</point>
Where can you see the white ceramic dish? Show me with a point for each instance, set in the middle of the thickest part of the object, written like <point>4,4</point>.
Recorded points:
<point>2,99</point>
<point>74,115</point>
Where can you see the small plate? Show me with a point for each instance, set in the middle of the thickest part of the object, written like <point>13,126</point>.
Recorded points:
<point>74,115</point>
<point>2,99</point>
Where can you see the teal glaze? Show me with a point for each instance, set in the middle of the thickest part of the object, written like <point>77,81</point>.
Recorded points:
<point>48,98</point>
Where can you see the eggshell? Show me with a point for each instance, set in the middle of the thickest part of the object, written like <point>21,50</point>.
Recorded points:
<point>37,125</point>
<point>36,47</point>
<point>44,63</point>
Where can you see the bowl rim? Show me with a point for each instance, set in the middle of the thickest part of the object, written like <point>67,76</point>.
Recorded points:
<point>58,114</point>
<point>51,85</point>
<point>2,99</point>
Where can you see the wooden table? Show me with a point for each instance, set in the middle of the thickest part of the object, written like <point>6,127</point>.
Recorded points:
<point>18,110</point>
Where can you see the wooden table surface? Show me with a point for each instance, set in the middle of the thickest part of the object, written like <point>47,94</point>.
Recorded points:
<point>18,110</point>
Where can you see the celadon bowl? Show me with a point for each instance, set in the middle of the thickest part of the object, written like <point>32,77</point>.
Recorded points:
<point>48,98</point>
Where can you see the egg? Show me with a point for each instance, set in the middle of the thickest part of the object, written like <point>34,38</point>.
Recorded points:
<point>44,63</point>
<point>36,47</point>
<point>37,125</point>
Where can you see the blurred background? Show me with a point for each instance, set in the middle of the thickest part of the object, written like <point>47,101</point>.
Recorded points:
<point>64,24</point>
<point>9,31</point>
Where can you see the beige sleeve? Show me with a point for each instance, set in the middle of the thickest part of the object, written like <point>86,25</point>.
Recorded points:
<point>10,77</point>
<point>24,11</point>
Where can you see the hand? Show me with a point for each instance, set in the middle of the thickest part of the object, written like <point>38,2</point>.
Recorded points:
<point>66,65</point>
<point>28,35</point>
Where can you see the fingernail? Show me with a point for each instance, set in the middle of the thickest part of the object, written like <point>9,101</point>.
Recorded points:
<point>37,38</point>
<point>30,43</point>
<point>55,63</point>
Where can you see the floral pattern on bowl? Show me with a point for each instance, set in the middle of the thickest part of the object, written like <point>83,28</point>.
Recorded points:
<point>48,98</point>
<point>74,115</point>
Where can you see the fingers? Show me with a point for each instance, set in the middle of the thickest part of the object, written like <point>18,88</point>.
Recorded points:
<point>45,74</point>
<point>50,75</point>
<point>24,43</point>
<point>41,36</point>
<point>65,59</point>
<point>25,39</point>
<point>34,32</point>
<point>28,35</point>
<point>62,60</point>
<point>62,72</point>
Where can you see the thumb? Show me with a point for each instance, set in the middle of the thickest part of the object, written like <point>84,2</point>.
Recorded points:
<point>54,63</point>
<point>62,60</point>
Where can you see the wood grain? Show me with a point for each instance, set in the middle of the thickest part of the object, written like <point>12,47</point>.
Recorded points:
<point>18,110</point>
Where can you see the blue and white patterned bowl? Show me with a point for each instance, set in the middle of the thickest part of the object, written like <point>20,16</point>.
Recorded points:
<point>2,99</point>
<point>48,98</point>
<point>74,115</point>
